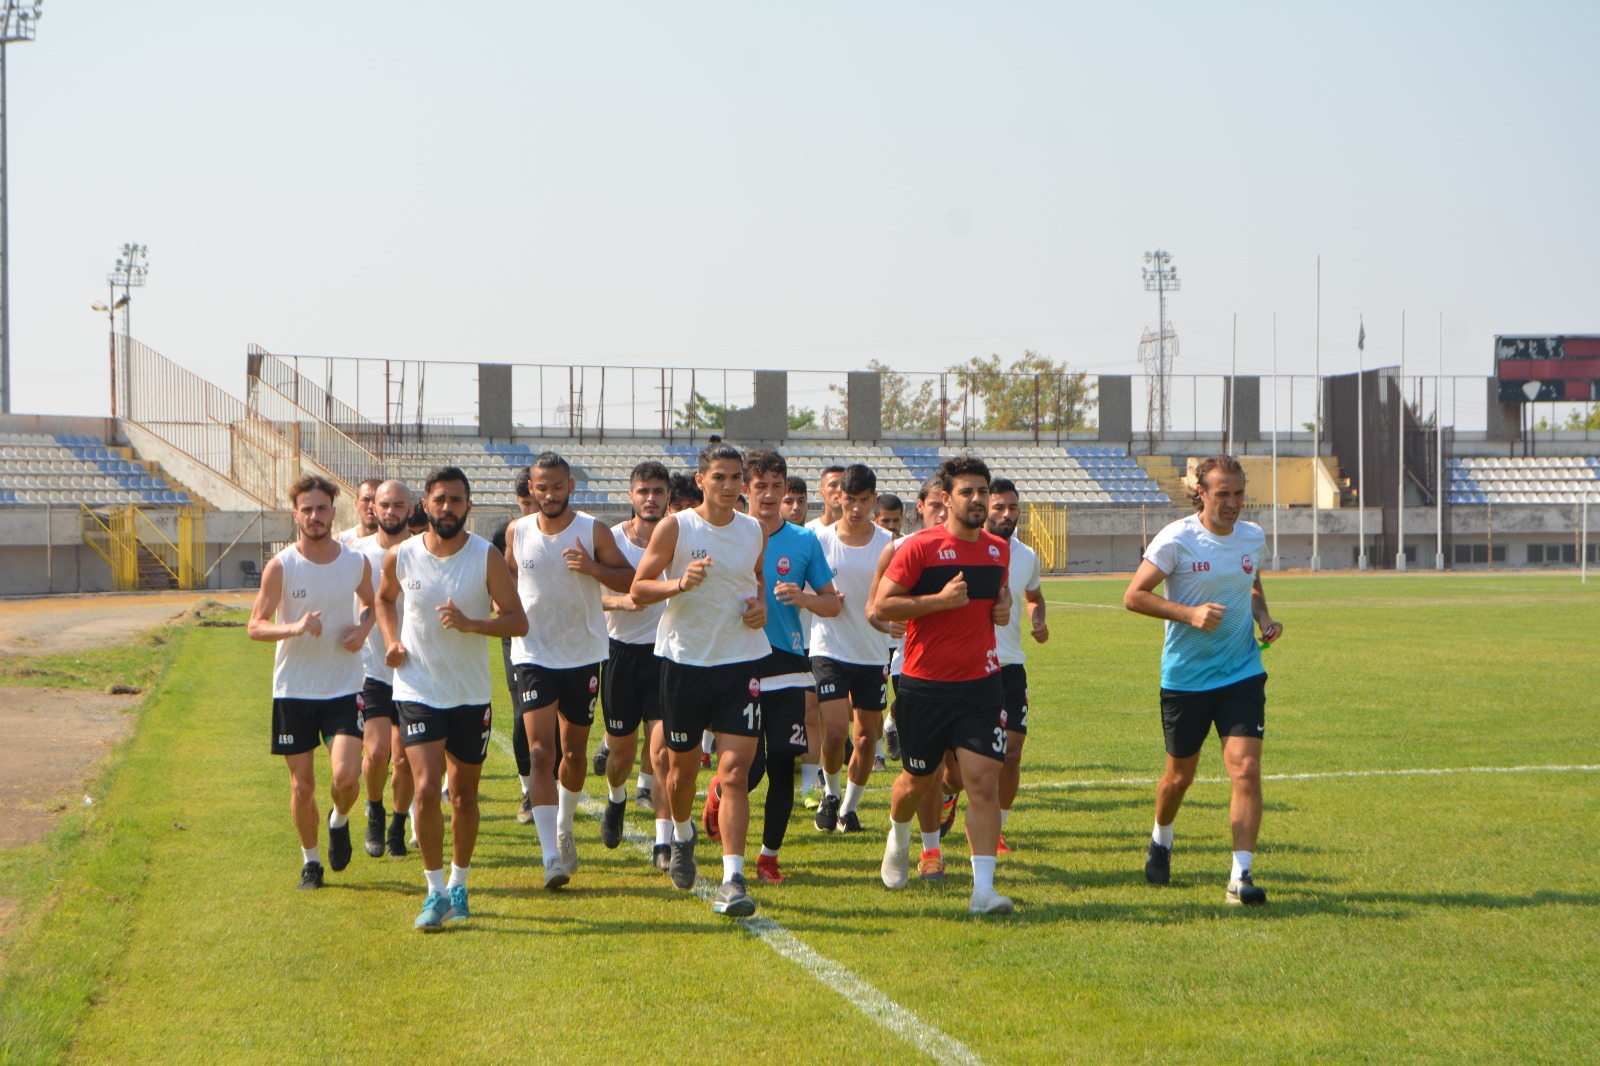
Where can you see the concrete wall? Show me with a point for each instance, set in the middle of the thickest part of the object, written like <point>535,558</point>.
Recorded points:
<point>1116,408</point>
<point>494,400</point>
<point>211,486</point>
<point>1245,408</point>
<point>50,425</point>
<point>864,388</point>
<point>767,419</point>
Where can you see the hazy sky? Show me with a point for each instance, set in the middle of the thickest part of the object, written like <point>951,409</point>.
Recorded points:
<point>797,185</point>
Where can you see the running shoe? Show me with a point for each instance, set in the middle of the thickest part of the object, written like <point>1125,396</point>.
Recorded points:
<point>767,871</point>
<point>611,824</point>
<point>459,911</point>
<point>643,800</point>
<point>1158,864</point>
<point>1002,848</point>
<point>705,760</point>
<point>556,875</point>
<point>311,876</point>
<point>525,810</point>
<point>709,814</point>
<point>662,857</point>
<point>812,800</point>
<point>896,868</point>
<point>733,899</point>
<point>569,850</point>
<point>951,804</point>
<point>339,850</point>
<point>878,763</point>
<point>828,814</point>
<point>988,901</point>
<point>434,908</point>
<point>444,796</point>
<point>681,866</point>
<point>397,834</point>
<point>375,820</point>
<point>931,866</point>
<point>600,755</point>
<point>1243,890</point>
<point>849,823</point>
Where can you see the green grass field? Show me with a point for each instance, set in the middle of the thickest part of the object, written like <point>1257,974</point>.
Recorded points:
<point>1445,917</point>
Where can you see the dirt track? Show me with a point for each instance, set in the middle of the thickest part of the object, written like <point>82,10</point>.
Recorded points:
<point>46,625</point>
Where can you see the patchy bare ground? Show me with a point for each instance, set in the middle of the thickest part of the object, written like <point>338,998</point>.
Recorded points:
<point>54,738</point>
<point>47,625</point>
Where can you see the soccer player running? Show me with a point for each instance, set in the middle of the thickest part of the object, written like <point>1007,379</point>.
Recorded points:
<point>630,680</point>
<point>1023,581</point>
<point>519,736</point>
<point>948,584</point>
<point>457,588</point>
<point>1211,672</point>
<point>366,514</point>
<point>849,652</point>
<point>380,730</point>
<point>311,587</point>
<point>564,560</point>
<point>709,559</point>
<point>890,514</point>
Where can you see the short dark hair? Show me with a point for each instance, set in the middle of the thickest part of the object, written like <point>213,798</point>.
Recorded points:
<point>650,470</point>
<point>682,487</point>
<point>794,485</point>
<point>519,484</point>
<point>1002,484</point>
<point>499,537</point>
<point>765,461</point>
<point>549,461</point>
<point>373,481</point>
<point>717,453</point>
<point>1225,463</point>
<point>446,473</point>
<point>832,468</point>
<point>306,483</point>
<point>888,501</point>
<point>961,466</point>
<point>928,486</point>
<point>419,517</point>
<point>858,477</point>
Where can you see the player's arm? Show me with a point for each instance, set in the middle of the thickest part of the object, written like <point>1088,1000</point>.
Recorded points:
<point>261,626</point>
<point>755,607</point>
<point>1141,598</point>
<point>895,603</point>
<point>388,616</point>
<point>895,629</point>
<point>607,566</point>
<point>825,602</point>
<point>1000,613</point>
<point>1270,630</point>
<point>657,557</point>
<point>507,618</point>
<point>356,635</point>
<point>1035,605</point>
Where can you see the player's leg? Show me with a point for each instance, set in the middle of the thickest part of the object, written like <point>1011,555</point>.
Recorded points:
<point>980,746</point>
<point>930,815</point>
<point>735,755</point>
<point>428,769</point>
<point>539,725</point>
<point>619,764</point>
<point>868,727</point>
<point>1186,717</point>
<point>1010,781</point>
<point>303,810</point>
<point>660,794</point>
<point>1241,722</point>
<point>579,688</point>
<point>835,715</point>
<point>376,744</point>
<point>924,739</point>
<point>784,741</point>
<point>685,695</point>
<point>950,786</point>
<point>344,764</point>
<point>811,762</point>
<point>403,786</point>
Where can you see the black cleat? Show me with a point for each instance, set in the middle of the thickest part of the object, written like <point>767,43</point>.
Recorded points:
<point>397,834</point>
<point>733,899</point>
<point>600,755</point>
<point>1243,890</point>
<point>849,823</point>
<point>339,850</point>
<point>1158,864</point>
<point>611,824</point>
<point>375,820</point>
<point>663,858</point>
<point>311,876</point>
<point>828,814</point>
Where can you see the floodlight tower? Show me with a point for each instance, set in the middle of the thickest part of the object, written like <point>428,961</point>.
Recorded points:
<point>1161,277</point>
<point>130,272</point>
<point>21,23</point>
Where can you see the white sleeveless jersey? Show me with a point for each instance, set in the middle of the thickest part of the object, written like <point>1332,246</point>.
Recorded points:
<point>848,636</point>
<point>566,623</point>
<point>1022,576</point>
<point>317,668</point>
<point>807,619</point>
<point>896,647</point>
<point>372,652</point>
<point>443,667</point>
<point>704,626</point>
<point>633,627</point>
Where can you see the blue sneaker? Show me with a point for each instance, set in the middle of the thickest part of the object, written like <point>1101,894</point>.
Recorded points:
<point>458,911</point>
<point>434,908</point>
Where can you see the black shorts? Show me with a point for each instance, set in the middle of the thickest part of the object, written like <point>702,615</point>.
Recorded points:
<point>300,725</point>
<point>573,690</point>
<point>377,700</point>
<point>723,699</point>
<point>1237,710</point>
<point>630,687</point>
<point>1014,684</point>
<point>464,729</point>
<point>865,685</point>
<point>938,716</point>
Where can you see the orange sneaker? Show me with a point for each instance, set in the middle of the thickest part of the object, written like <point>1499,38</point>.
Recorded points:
<point>951,802</point>
<point>1004,848</point>
<point>767,871</point>
<point>713,807</point>
<point>705,760</point>
<point>931,866</point>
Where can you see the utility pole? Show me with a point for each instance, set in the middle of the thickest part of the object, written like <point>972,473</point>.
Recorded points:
<point>130,272</point>
<point>21,24</point>
<point>1158,352</point>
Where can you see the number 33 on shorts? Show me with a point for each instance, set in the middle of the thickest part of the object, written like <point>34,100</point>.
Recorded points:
<point>999,744</point>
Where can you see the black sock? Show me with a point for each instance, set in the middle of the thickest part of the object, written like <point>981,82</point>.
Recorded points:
<point>374,810</point>
<point>780,801</point>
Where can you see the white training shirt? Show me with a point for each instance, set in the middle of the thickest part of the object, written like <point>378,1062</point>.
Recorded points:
<point>704,626</point>
<point>566,622</point>
<point>1022,577</point>
<point>633,627</point>
<point>373,651</point>
<point>848,636</point>
<point>443,667</point>
<point>349,536</point>
<point>807,619</point>
<point>1202,567</point>
<point>307,667</point>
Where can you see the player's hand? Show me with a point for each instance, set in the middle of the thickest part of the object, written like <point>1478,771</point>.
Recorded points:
<point>1000,613</point>
<point>394,654</point>
<point>1271,631</point>
<point>1041,631</point>
<point>694,573</point>
<point>897,630</point>
<point>578,560</point>
<point>311,622</point>
<point>452,617</point>
<point>787,592</point>
<point>755,611</point>
<point>620,601</point>
<point>354,637</point>
<point>1207,616</point>
<point>954,594</point>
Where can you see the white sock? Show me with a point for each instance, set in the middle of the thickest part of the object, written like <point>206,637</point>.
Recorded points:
<point>566,807</point>
<point>982,873</point>
<point>604,746</point>
<point>524,779</point>
<point>1241,863</point>
<point>682,832</point>
<point>1162,834</point>
<point>444,784</point>
<point>544,826</point>
<point>707,740</point>
<point>646,782</point>
<point>1005,812</point>
<point>310,855</point>
<point>832,782</point>
<point>435,880</point>
<point>900,833</point>
<point>663,831</point>
<point>337,819</point>
<point>458,876</point>
<point>731,865</point>
<point>768,853</point>
<point>930,841</point>
<point>880,747</point>
<point>852,796</point>
<point>808,776</point>
<point>617,793</point>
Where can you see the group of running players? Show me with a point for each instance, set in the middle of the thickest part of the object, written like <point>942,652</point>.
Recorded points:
<point>713,620</point>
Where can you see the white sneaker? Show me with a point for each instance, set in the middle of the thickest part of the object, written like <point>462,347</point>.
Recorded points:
<point>569,851</point>
<point>556,875</point>
<point>896,867</point>
<point>988,901</point>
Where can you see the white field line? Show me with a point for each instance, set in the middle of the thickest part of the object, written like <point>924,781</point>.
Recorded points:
<point>1423,771</point>
<point>866,998</point>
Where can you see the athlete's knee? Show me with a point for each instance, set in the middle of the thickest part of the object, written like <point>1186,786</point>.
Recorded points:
<point>302,789</point>
<point>542,756</point>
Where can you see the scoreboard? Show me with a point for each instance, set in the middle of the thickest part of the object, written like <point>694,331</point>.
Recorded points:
<point>1541,369</point>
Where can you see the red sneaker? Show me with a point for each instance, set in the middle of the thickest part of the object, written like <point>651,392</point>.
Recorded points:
<point>950,805</point>
<point>705,760</point>
<point>1004,848</point>
<point>713,807</point>
<point>931,866</point>
<point>767,871</point>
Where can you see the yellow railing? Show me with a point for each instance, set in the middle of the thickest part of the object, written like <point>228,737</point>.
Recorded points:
<point>112,539</point>
<point>1044,529</point>
<point>119,533</point>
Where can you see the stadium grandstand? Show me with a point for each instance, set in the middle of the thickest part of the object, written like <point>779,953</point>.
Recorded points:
<point>186,485</point>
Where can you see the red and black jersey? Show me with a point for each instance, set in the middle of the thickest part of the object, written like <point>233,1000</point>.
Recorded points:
<point>958,644</point>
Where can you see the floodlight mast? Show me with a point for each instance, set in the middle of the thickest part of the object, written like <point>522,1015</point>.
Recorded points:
<point>20,23</point>
<point>1161,277</point>
<point>131,272</point>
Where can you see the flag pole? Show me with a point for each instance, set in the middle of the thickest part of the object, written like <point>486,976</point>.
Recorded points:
<point>1316,430</point>
<point>1233,381</point>
<point>1438,451</point>
<point>1400,479</point>
<point>1276,564</point>
<point>1361,446</point>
